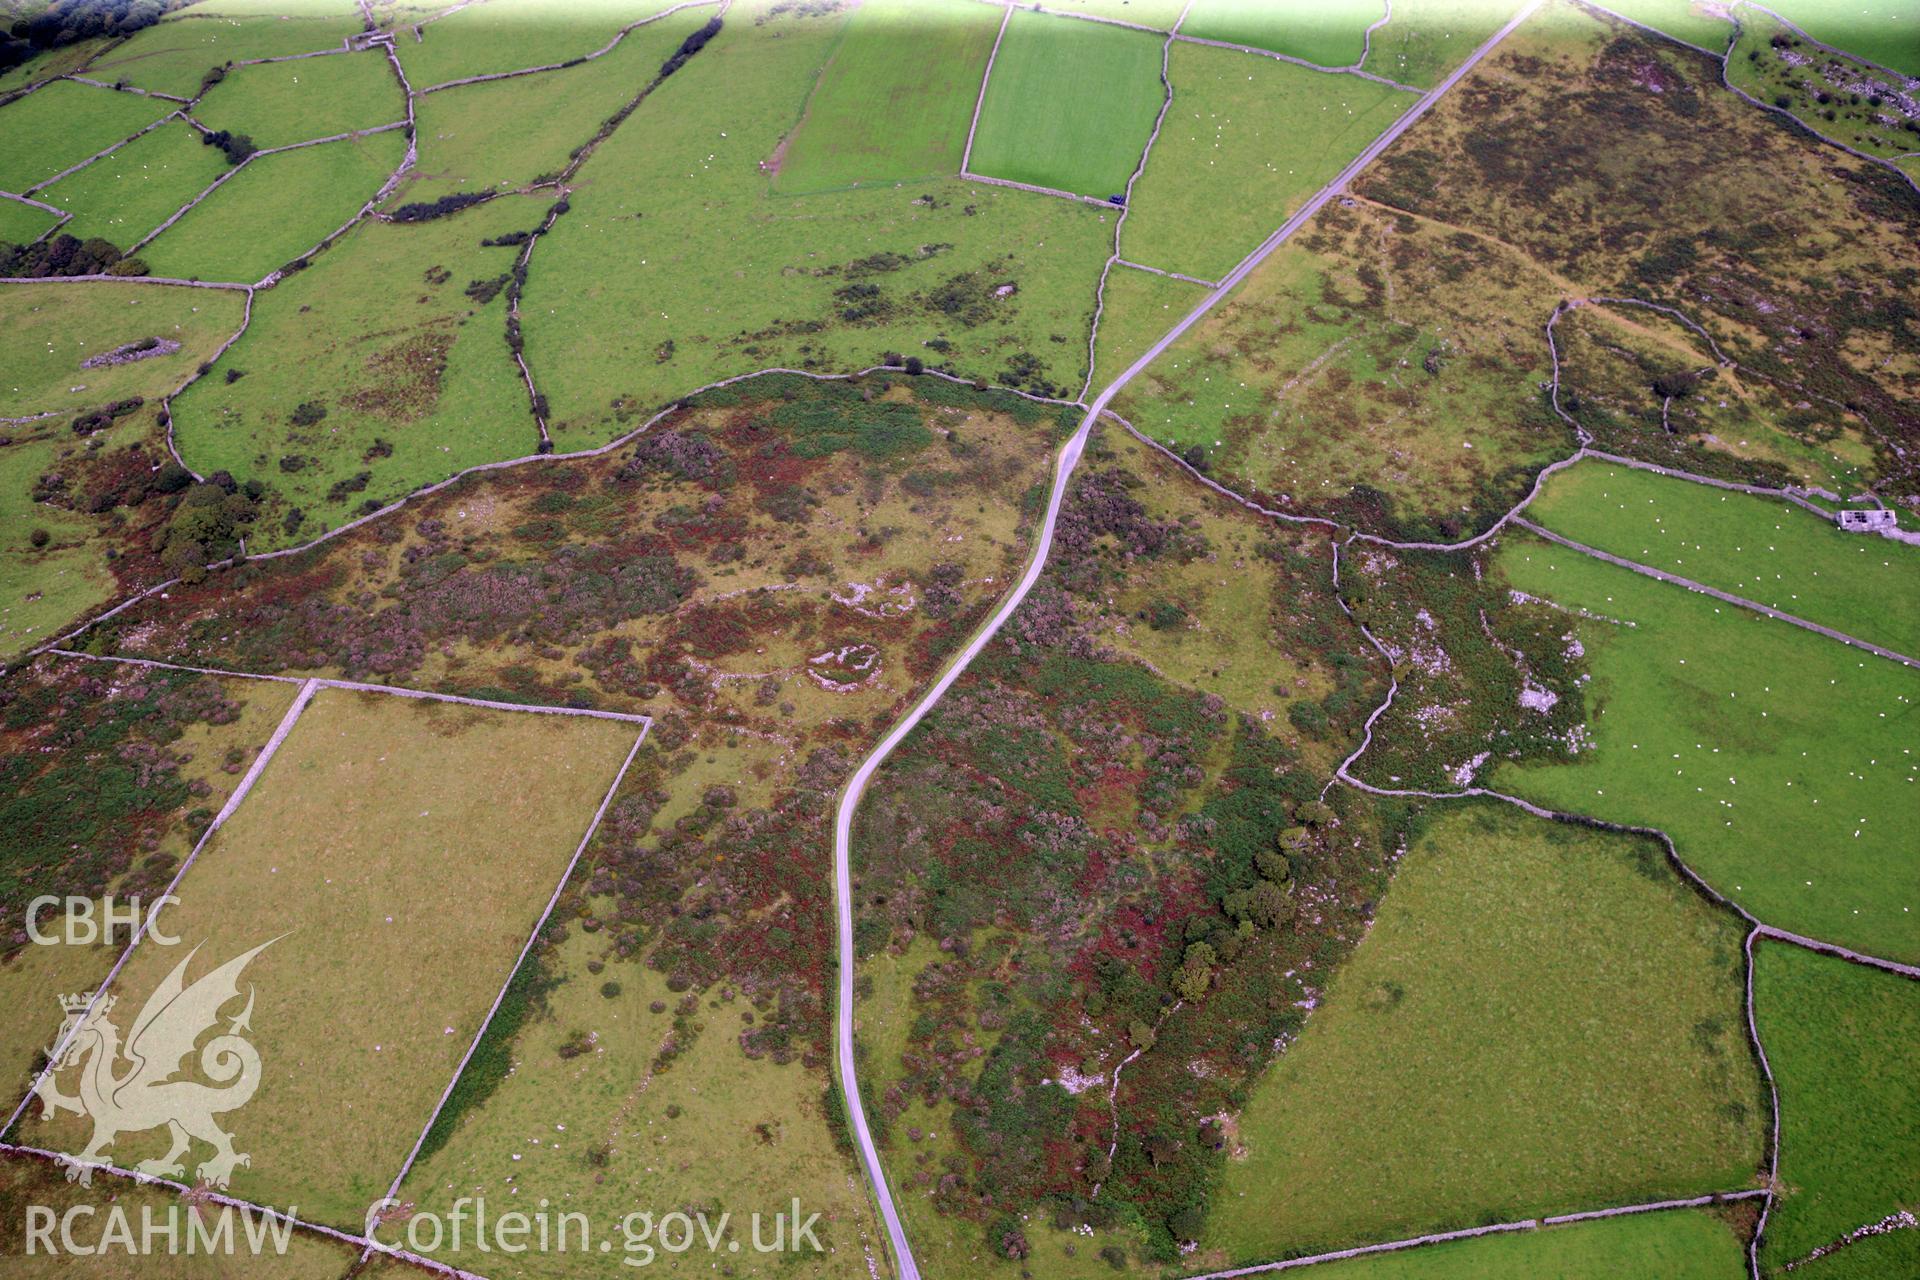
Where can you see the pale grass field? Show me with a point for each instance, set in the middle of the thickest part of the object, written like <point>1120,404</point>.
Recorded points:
<point>26,1181</point>
<point>32,980</point>
<point>714,1131</point>
<point>398,853</point>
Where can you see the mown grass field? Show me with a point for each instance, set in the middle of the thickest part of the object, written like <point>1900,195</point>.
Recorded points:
<point>405,399</point>
<point>895,101</point>
<point>1331,35</point>
<point>278,208</point>
<point>1069,105</point>
<point>21,223</point>
<point>1686,1245</point>
<point>676,266</point>
<point>278,103</point>
<point>1541,1019</point>
<point>173,56</point>
<point>1140,307</point>
<point>1312,388</point>
<point>1844,1042</point>
<point>26,1181</point>
<point>126,195</point>
<point>400,851</point>
<point>34,977</point>
<point>508,36</point>
<point>62,124</point>
<point>507,133</point>
<point>1882,31</point>
<point>1763,549</point>
<point>1776,759</point>
<point>1245,143</point>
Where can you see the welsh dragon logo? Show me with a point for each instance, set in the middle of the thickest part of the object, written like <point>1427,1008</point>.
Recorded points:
<point>129,1087</point>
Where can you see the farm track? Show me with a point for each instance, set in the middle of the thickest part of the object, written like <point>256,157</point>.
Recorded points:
<point>1067,460</point>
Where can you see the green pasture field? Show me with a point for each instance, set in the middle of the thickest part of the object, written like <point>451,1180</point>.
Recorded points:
<point>1831,94</point>
<point>894,103</point>
<point>1682,19</point>
<point>1778,760</point>
<point>34,977</point>
<point>49,63</point>
<point>61,124</point>
<point>1160,15</point>
<point>1542,1019</point>
<point>126,195</point>
<point>26,1181</point>
<point>508,133</point>
<point>22,223</point>
<point>274,211</point>
<point>1872,1258</point>
<point>511,35</point>
<point>175,55</point>
<point>1425,39</point>
<point>1309,386</point>
<point>399,853</point>
<point>1245,143</point>
<point>1844,1043</point>
<point>1764,549</point>
<point>1882,31</point>
<point>52,328</point>
<point>611,1130</point>
<point>1069,105</point>
<point>675,266</point>
<point>1682,1245</point>
<point>436,382</point>
<point>1140,307</point>
<point>1331,35</point>
<point>284,10</point>
<point>278,103</point>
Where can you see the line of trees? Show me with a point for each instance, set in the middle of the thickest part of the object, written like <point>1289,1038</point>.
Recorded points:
<point>65,255</point>
<point>64,22</point>
<point>238,146</point>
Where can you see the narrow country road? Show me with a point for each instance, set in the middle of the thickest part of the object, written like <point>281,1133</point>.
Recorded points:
<point>1069,458</point>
